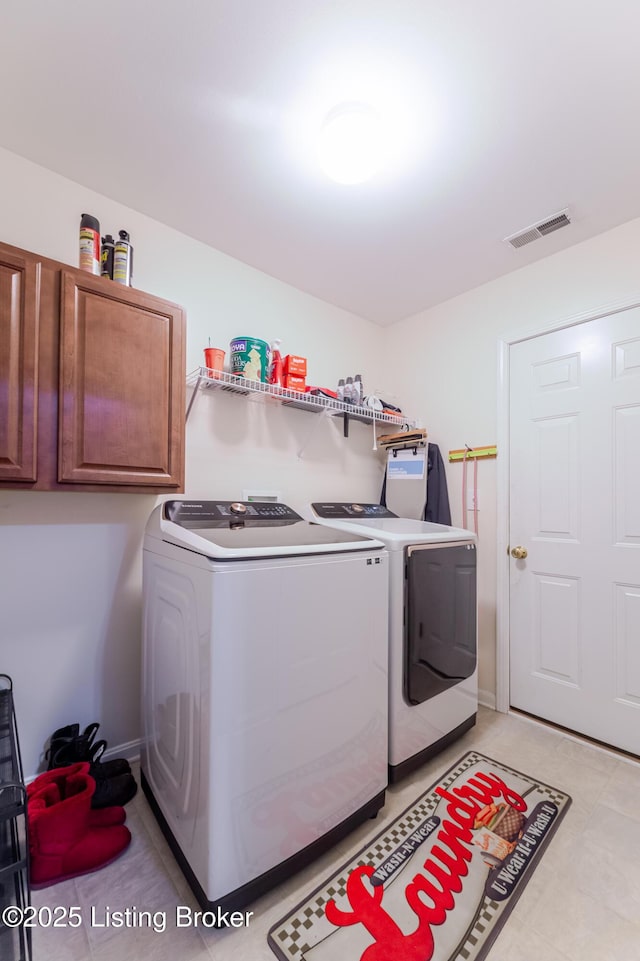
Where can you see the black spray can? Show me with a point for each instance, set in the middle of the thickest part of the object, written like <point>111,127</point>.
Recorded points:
<point>123,259</point>
<point>106,256</point>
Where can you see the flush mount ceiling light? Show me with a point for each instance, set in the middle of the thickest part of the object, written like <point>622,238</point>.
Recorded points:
<point>352,145</point>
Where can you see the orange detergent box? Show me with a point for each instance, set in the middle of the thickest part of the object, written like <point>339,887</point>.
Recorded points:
<point>295,365</point>
<point>293,382</point>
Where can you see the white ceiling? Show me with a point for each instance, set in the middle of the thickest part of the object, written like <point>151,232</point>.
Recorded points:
<point>199,113</point>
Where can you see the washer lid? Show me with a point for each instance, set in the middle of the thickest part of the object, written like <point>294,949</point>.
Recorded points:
<point>239,530</point>
<point>377,521</point>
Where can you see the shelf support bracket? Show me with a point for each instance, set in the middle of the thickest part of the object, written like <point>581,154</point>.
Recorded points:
<point>194,394</point>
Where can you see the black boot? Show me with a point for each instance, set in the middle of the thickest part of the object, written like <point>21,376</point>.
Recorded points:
<point>100,770</point>
<point>68,746</point>
<point>114,790</point>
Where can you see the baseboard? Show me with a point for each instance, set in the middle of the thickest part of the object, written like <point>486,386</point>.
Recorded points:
<point>487,699</point>
<point>130,751</point>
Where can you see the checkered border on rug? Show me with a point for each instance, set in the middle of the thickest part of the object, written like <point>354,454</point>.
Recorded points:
<point>488,911</point>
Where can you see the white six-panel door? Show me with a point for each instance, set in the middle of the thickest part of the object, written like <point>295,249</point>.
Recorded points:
<point>575,508</point>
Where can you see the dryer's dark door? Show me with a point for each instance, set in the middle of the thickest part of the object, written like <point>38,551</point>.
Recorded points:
<point>440,627</point>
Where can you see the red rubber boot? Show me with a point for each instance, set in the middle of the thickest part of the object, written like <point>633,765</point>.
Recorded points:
<point>104,817</point>
<point>62,842</point>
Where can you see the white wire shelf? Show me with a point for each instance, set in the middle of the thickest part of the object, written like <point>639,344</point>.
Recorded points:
<point>202,378</point>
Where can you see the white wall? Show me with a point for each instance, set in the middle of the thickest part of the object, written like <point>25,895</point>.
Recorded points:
<point>447,369</point>
<point>71,563</point>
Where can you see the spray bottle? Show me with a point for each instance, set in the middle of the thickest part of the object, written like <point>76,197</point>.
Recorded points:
<point>106,256</point>
<point>275,363</point>
<point>123,259</point>
<point>89,244</point>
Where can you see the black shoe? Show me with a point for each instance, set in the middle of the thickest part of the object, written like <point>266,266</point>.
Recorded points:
<point>68,746</point>
<point>114,790</point>
<point>100,770</point>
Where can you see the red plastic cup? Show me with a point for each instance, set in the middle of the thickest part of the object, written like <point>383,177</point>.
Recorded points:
<point>213,359</point>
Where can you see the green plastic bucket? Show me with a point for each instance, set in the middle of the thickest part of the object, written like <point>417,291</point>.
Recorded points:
<point>249,358</point>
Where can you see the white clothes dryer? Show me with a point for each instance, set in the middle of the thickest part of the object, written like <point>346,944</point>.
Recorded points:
<point>433,686</point>
<point>264,690</point>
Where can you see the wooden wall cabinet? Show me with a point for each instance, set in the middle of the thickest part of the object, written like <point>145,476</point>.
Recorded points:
<point>19,277</point>
<point>91,382</point>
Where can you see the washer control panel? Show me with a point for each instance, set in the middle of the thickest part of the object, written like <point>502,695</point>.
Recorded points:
<point>338,510</point>
<point>208,513</point>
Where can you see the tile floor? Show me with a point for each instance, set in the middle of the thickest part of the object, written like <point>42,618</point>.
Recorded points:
<point>582,903</point>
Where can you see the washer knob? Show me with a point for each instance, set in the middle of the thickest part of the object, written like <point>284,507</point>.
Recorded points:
<point>357,508</point>
<point>238,508</point>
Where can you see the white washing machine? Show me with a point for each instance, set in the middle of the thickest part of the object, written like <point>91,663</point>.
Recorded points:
<point>433,686</point>
<point>264,690</point>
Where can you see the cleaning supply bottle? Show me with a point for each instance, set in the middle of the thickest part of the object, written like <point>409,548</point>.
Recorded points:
<point>357,390</point>
<point>89,244</point>
<point>123,259</point>
<point>106,256</point>
<point>340,390</point>
<point>348,391</point>
<point>275,363</point>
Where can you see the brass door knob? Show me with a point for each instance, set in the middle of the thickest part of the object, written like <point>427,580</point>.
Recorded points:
<point>519,553</point>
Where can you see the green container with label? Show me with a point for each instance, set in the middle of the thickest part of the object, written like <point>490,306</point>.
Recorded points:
<point>249,358</point>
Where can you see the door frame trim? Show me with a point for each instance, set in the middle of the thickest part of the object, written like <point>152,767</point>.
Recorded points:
<point>505,342</point>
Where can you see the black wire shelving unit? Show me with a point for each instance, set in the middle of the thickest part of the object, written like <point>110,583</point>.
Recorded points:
<point>15,942</point>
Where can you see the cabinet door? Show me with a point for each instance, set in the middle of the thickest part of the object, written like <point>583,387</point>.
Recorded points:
<point>18,366</point>
<point>121,385</point>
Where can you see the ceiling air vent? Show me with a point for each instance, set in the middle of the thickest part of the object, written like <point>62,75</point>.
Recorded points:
<point>541,229</point>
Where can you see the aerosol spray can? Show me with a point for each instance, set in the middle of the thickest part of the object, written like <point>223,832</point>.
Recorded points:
<point>106,256</point>
<point>89,244</point>
<point>123,259</point>
<point>348,391</point>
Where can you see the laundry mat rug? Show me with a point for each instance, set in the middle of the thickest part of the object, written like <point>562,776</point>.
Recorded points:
<point>438,883</point>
